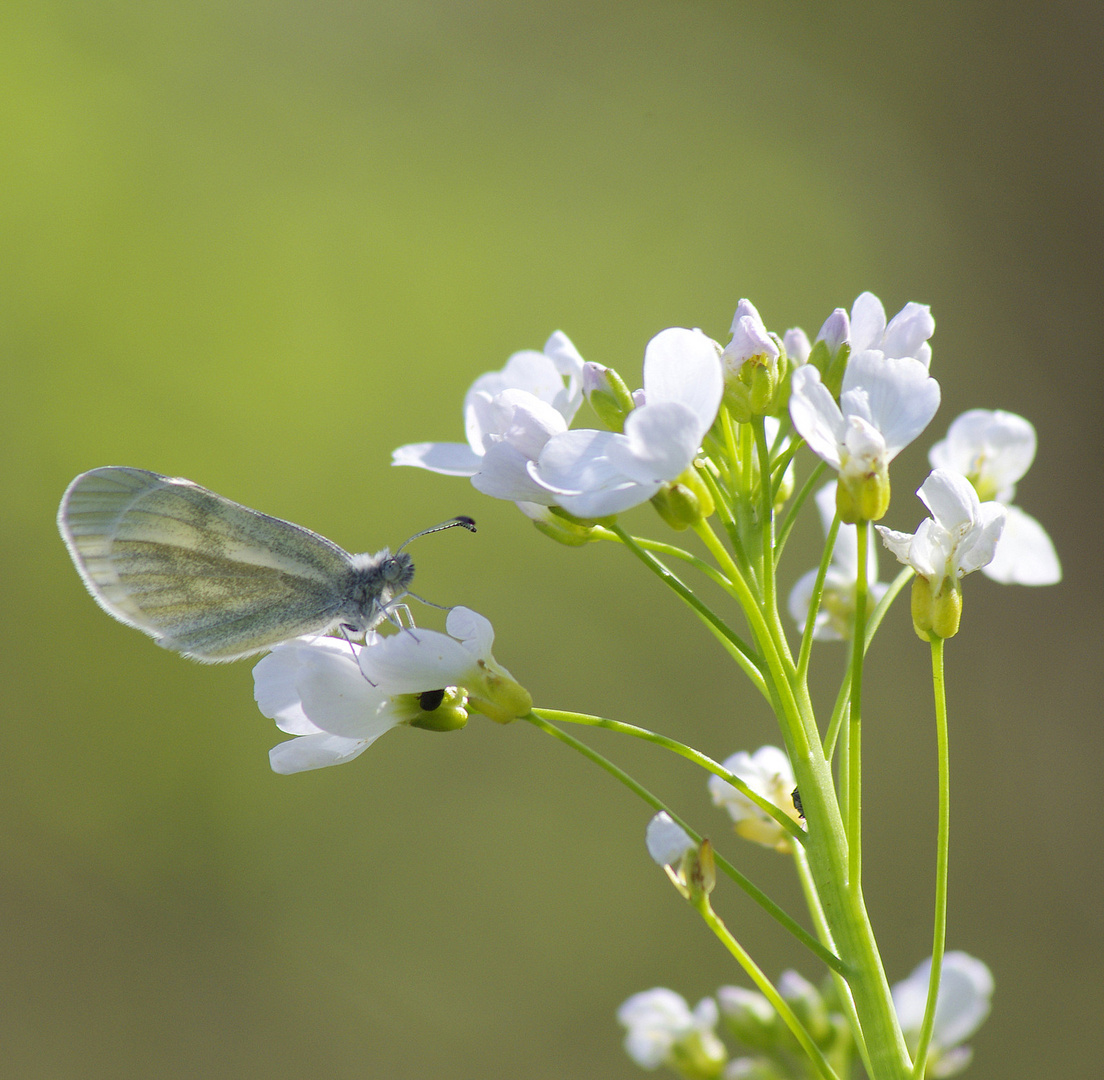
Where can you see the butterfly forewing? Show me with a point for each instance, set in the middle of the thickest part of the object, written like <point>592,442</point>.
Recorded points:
<point>201,574</point>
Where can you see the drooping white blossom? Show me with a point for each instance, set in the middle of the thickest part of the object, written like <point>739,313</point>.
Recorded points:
<point>993,449</point>
<point>835,617</point>
<point>960,537</point>
<point>593,473</point>
<point>768,773</point>
<point>963,1003</point>
<point>660,1026</point>
<point>509,415</point>
<point>338,697</point>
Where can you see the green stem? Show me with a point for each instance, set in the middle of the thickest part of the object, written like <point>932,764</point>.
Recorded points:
<point>814,601</point>
<point>753,891</point>
<point>779,815</point>
<point>740,651</point>
<point>844,697</point>
<point>766,987</point>
<point>854,742</point>
<point>943,848</point>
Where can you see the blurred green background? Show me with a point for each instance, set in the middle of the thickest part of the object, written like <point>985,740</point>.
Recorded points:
<point>261,244</point>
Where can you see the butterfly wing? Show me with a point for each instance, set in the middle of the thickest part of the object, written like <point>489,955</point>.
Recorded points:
<point>202,575</point>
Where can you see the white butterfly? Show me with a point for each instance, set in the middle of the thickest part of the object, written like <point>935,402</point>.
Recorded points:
<point>211,578</point>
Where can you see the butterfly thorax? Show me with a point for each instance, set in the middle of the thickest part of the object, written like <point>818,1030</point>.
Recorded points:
<point>378,581</point>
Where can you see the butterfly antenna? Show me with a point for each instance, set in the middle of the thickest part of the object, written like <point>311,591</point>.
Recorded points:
<point>461,521</point>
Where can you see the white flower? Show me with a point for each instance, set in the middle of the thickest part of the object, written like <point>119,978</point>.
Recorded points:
<point>338,697</point>
<point>768,773</point>
<point>993,450</point>
<point>593,473</point>
<point>667,841</point>
<point>314,689</point>
<point>660,1023</point>
<point>836,615</point>
<point>961,1007</point>
<point>906,335</point>
<point>960,537</point>
<point>885,402</point>
<point>508,416</point>
<point>797,345</point>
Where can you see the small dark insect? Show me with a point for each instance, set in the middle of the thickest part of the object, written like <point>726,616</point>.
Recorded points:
<point>796,796</point>
<point>428,700</point>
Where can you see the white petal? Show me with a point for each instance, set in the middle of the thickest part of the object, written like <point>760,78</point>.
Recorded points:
<point>315,752</point>
<point>416,660</point>
<point>899,543</point>
<point>449,459</point>
<point>471,629</point>
<point>907,332</point>
<point>666,840</point>
<point>816,416</point>
<point>660,442</point>
<point>979,545</point>
<point>902,397</point>
<point>868,322</point>
<point>951,498</point>
<point>1025,554</point>
<point>965,990</point>
<point>504,474</point>
<point>684,366</point>
<point>577,469</point>
<point>995,446</point>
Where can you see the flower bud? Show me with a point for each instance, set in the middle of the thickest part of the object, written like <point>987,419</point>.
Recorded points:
<point>684,502</point>
<point>750,1017</point>
<point>607,394</point>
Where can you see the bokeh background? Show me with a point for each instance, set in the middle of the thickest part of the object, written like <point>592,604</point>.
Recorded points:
<point>261,244</point>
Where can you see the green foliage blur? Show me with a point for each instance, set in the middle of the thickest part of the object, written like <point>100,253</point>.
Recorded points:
<point>260,245</point>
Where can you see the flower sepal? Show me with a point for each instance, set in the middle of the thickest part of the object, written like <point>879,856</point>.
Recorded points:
<point>684,502</point>
<point>495,693</point>
<point>831,363</point>
<point>864,495</point>
<point>936,614</point>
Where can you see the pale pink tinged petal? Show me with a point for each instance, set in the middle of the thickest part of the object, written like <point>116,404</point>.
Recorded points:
<point>908,330</point>
<point>797,345</point>
<point>449,459</point>
<point>527,422</point>
<point>868,322</point>
<point>836,330</point>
